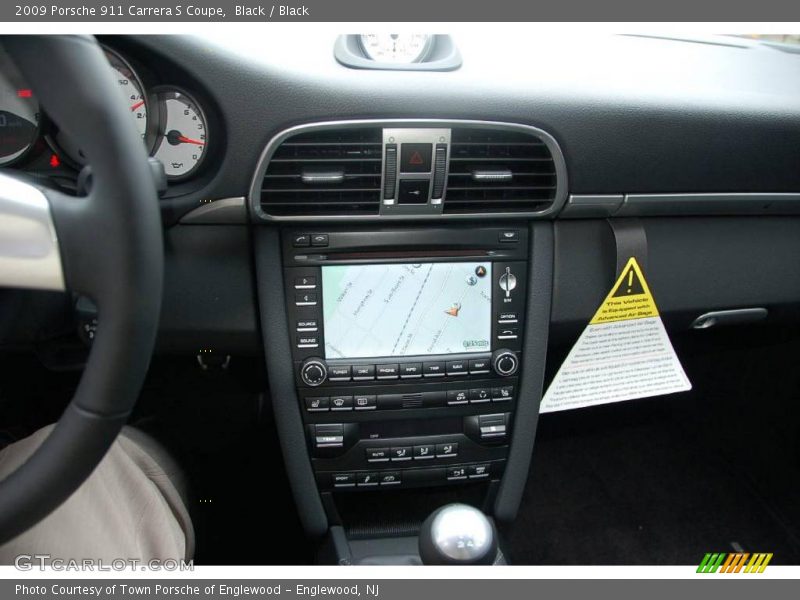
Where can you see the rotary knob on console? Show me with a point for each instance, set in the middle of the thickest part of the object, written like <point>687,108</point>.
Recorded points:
<point>508,282</point>
<point>314,372</point>
<point>505,362</point>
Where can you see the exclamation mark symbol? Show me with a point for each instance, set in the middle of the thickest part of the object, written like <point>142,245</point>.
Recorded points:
<point>630,280</point>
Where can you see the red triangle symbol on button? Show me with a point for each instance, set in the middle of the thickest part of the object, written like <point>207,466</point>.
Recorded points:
<point>416,159</point>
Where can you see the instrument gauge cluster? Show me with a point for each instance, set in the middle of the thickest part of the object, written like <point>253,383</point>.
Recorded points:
<point>182,133</point>
<point>171,120</point>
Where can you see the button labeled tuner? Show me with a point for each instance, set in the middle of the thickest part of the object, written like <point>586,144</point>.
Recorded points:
<point>339,372</point>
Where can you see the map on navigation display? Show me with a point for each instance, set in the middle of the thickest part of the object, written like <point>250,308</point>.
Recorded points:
<point>406,309</point>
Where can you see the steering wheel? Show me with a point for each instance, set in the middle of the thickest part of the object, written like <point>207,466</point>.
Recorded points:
<point>106,245</point>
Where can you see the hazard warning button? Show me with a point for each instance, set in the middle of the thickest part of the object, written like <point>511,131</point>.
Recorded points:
<point>415,158</point>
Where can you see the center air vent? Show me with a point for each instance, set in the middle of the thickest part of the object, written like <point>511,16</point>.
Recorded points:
<point>499,171</point>
<point>409,169</point>
<point>325,173</point>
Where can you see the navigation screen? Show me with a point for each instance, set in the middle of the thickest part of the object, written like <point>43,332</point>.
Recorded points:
<point>406,309</point>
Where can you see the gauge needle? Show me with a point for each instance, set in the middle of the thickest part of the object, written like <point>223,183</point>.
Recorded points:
<point>184,140</point>
<point>137,105</point>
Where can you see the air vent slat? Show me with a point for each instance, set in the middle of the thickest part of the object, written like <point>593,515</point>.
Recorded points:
<point>498,159</point>
<point>504,188</point>
<point>325,173</point>
<point>323,160</point>
<point>499,170</point>
<point>321,190</point>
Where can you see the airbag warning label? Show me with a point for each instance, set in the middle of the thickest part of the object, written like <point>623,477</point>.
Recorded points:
<point>623,354</point>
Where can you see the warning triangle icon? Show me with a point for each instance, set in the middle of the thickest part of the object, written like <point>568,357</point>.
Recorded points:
<point>416,159</point>
<point>629,284</point>
<point>629,298</point>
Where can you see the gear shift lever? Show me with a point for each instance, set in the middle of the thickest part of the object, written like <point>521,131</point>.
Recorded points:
<point>457,534</point>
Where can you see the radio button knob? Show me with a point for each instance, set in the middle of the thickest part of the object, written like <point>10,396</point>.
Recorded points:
<point>314,372</point>
<point>505,362</point>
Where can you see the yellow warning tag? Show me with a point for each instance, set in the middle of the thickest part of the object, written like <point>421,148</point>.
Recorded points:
<point>630,298</point>
<point>623,354</point>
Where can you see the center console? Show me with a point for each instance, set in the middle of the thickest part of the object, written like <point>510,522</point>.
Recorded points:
<point>406,346</point>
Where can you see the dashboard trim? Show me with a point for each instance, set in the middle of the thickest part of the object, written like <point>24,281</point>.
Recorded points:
<point>742,203</point>
<point>259,215</point>
<point>582,206</point>
<point>222,211</point>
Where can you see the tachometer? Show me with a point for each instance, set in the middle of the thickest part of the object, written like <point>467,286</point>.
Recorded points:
<point>132,89</point>
<point>133,95</point>
<point>19,113</point>
<point>182,133</point>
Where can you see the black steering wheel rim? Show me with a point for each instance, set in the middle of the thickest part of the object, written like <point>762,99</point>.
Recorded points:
<point>111,249</point>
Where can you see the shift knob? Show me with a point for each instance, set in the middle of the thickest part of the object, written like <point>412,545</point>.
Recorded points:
<point>457,534</point>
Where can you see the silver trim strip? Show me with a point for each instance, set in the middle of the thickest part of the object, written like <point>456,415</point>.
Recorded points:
<point>689,204</point>
<point>29,253</point>
<point>225,211</point>
<point>581,206</point>
<point>709,204</point>
<point>258,214</point>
